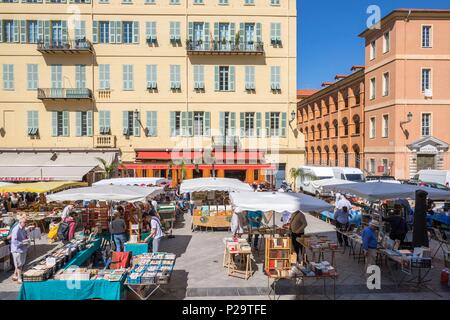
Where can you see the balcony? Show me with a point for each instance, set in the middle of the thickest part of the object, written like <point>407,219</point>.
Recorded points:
<point>226,142</point>
<point>70,46</point>
<point>64,93</point>
<point>104,141</point>
<point>224,48</point>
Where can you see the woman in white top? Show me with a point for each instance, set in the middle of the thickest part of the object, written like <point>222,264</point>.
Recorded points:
<point>157,233</point>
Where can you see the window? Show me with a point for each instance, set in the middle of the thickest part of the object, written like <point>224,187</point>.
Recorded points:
<point>152,80</point>
<point>104,77</point>
<point>175,77</point>
<point>174,31</point>
<point>275,84</point>
<point>127,32</point>
<point>10,31</point>
<point>275,33</point>
<point>181,124</point>
<point>32,76</point>
<point>276,124</point>
<point>227,123</point>
<point>250,123</point>
<point>199,77</point>
<point>249,2</point>
<point>80,29</point>
<point>104,31</point>
<point>80,75</point>
<point>223,2</point>
<point>152,124</point>
<point>387,42</point>
<point>426,79</point>
<point>32,31</point>
<point>274,2</point>
<point>372,128</point>
<point>345,124</point>
<point>373,49</point>
<point>249,78</point>
<point>372,88</point>
<point>131,123</point>
<point>60,123</point>
<point>336,128</point>
<point>127,1</point>
<point>174,2</point>
<point>386,84</point>
<point>357,122</point>
<point>150,1</point>
<point>84,124</point>
<point>58,32</point>
<point>426,124</point>
<point>150,31</point>
<point>198,2</point>
<point>201,123</point>
<point>224,78</point>
<point>104,119</point>
<point>372,165</point>
<point>127,77</point>
<point>426,36</point>
<point>56,71</point>
<point>327,130</point>
<point>385,126</point>
<point>33,122</point>
<point>8,77</point>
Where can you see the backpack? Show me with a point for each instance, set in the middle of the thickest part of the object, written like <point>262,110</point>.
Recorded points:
<point>63,231</point>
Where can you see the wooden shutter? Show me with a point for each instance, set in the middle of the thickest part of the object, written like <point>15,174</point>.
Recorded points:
<point>135,32</point>
<point>242,123</point>
<point>216,78</point>
<point>95,31</point>
<point>283,124</point>
<point>267,124</point>
<point>232,79</point>
<point>78,124</point>
<point>258,124</point>
<point>136,124</point>
<point>54,124</point>
<point>65,123</point>
<point>89,126</point>
<point>207,123</point>
<point>23,31</point>
<point>125,122</point>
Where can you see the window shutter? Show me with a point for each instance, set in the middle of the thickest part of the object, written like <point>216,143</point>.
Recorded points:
<point>148,77</point>
<point>80,29</point>
<point>1,31</point>
<point>101,121</point>
<point>54,124</point>
<point>216,31</point>
<point>47,32</point>
<point>258,32</point>
<point>65,123</point>
<point>107,77</point>
<point>183,123</point>
<point>125,121</point>
<point>136,124</point>
<point>222,123</point>
<point>272,31</point>
<point>201,74</point>
<point>118,31</point>
<point>30,121</point>
<point>232,124</point>
<point>268,124</point>
<point>95,31</point>
<point>232,33</point>
<point>283,124</point>
<point>190,123</point>
<point>191,31</point>
<point>258,124</point>
<point>216,78</point>
<point>40,33</point>
<point>231,79</point>
<point>64,31</point>
<point>36,120</point>
<point>242,123</point>
<point>151,123</point>
<point>241,35</point>
<point>78,124</point>
<point>107,121</point>
<point>112,31</point>
<point>172,124</point>
<point>154,123</point>
<point>206,36</point>
<point>23,31</point>
<point>89,123</point>
<point>135,32</point>
<point>16,30</point>
<point>207,124</point>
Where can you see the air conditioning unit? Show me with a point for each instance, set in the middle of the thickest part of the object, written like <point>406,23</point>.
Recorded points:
<point>428,93</point>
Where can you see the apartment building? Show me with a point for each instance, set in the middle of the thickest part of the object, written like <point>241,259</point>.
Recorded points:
<point>175,88</point>
<point>332,121</point>
<point>407,104</point>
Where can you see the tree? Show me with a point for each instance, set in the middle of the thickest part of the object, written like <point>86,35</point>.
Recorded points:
<point>300,173</point>
<point>108,170</point>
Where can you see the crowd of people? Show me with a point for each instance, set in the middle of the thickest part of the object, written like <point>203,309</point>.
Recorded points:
<point>14,200</point>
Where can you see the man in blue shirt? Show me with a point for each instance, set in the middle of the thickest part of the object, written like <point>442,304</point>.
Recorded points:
<point>254,222</point>
<point>19,248</point>
<point>370,242</point>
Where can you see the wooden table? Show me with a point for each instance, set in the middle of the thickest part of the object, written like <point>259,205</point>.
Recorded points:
<point>234,269</point>
<point>320,251</point>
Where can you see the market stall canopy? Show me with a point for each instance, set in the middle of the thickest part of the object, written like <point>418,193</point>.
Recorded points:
<point>42,186</point>
<point>132,182</point>
<point>383,191</point>
<point>329,182</point>
<point>2,184</point>
<point>107,193</point>
<point>214,184</point>
<point>50,166</point>
<point>277,201</point>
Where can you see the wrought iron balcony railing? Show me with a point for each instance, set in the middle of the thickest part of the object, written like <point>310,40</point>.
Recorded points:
<point>64,93</point>
<point>225,47</point>
<point>69,46</point>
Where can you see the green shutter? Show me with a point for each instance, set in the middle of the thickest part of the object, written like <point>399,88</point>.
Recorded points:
<point>1,30</point>
<point>232,123</point>
<point>232,33</point>
<point>107,121</point>
<point>232,78</point>
<point>267,124</point>
<point>222,123</point>
<point>65,123</point>
<point>258,124</point>
<point>23,31</point>
<point>95,31</point>
<point>151,124</point>
<point>191,31</point>
<point>136,124</point>
<point>89,124</point>
<point>40,24</point>
<point>78,124</point>
<point>216,31</point>
<point>101,121</point>
<point>258,32</point>
<point>30,121</point>
<point>54,123</point>
<point>283,124</point>
<point>135,32</point>
<point>154,123</point>
<point>190,123</point>
<point>216,78</point>
<point>241,34</point>
<point>64,31</point>
<point>47,32</point>
<point>112,31</point>
<point>125,122</point>
<point>207,124</point>
<point>118,32</point>
<point>172,124</point>
<point>183,123</point>
<point>206,36</point>
<point>242,123</point>
<point>16,25</point>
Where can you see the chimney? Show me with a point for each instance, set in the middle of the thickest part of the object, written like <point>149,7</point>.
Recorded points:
<point>354,68</point>
<point>326,84</point>
<point>340,76</point>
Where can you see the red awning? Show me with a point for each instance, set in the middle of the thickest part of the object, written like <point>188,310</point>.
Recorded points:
<point>202,166</point>
<point>256,156</point>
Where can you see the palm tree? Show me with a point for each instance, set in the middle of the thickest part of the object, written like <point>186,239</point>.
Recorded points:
<point>300,173</point>
<point>108,170</point>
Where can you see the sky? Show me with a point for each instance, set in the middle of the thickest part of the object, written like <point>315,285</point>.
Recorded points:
<point>327,35</point>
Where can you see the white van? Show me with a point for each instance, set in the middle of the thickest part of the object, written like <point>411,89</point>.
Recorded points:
<point>436,176</point>
<point>347,173</point>
<point>312,173</point>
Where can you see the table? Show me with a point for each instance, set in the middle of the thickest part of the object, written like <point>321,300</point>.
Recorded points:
<point>321,252</point>
<point>137,248</point>
<point>82,256</point>
<point>72,290</point>
<point>234,270</point>
<point>144,291</point>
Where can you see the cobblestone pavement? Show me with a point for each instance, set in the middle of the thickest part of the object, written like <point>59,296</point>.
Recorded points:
<point>199,273</point>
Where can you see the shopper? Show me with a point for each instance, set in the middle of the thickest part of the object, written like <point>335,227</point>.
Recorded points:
<point>342,202</point>
<point>254,222</point>
<point>19,248</point>
<point>118,228</point>
<point>70,220</point>
<point>370,242</point>
<point>237,227</point>
<point>14,201</point>
<point>157,232</point>
<point>297,227</point>
<point>398,225</point>
<point>341,217</point>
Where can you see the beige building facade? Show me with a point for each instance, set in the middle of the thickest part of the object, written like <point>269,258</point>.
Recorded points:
<point>214,79</point>
<point>407,104</point>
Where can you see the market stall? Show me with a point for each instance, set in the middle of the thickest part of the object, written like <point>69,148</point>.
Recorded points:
<point>211,199</point>
<point>149,182</point>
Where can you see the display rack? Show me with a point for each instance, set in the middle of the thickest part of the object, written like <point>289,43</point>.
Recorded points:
<point>277,257</point>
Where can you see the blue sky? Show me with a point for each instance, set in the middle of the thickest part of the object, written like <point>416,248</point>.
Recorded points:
<point>327,35</point>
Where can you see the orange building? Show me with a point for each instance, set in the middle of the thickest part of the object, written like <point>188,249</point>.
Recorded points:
<point>407,106</point>
<point>332,122</point>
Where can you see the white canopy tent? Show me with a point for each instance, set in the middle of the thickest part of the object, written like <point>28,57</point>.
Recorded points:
<point>5,183</point>
<point>329,182</point>
<point>107,193</point>
<point>277,201</point>
<point>132,182</point>
<point>214,184</point>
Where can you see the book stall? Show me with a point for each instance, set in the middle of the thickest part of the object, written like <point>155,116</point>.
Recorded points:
<point>211,198</point>
<point>319,246</point>
<point>237,258</point>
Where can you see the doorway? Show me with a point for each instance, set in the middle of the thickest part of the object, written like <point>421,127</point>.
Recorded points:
<point>426,161</point>
<point>235,174</point>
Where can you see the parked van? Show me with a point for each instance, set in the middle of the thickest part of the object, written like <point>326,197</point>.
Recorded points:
<point>436,176</point>
<point>347,173</point>
<point>311,173</point>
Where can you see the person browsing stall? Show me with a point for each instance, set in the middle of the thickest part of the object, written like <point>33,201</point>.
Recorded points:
<point>156,233</point>
<point>370,242</point>
<point>341,217</point>
<point>297,225</point>
<point>399,228</point>
<point>19,248</point>
<point>254,222</point>
<point>118,228</point>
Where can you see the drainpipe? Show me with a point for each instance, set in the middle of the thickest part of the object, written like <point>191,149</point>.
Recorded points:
<point>406,165</point>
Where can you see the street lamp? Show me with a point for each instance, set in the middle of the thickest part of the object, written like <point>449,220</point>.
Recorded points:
<point>293,114</point>
<point>409,118</point>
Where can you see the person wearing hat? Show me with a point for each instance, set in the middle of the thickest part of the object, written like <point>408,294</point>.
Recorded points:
<point>370,242</point>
